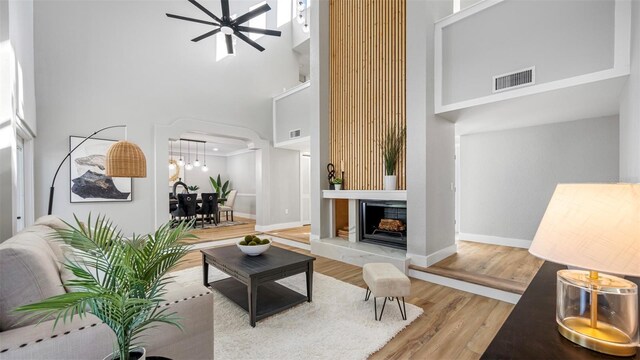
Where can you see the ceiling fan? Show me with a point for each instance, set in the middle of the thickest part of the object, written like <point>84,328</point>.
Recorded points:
<point>229,26</point>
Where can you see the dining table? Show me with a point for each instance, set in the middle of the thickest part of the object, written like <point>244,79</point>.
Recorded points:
<point>173,201</point>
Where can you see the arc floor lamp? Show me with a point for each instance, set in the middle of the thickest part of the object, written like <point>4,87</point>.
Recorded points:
<point>123,159</point>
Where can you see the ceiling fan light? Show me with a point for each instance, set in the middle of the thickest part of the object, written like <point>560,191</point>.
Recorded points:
<point>226,30</point>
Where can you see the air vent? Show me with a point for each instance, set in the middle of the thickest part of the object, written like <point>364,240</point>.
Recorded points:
<point>294,134</point>
<point>514,80</point>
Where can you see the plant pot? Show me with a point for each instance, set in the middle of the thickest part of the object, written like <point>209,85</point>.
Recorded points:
<point>337,186</point>
<point>390,182</point>
<point>135,354</point>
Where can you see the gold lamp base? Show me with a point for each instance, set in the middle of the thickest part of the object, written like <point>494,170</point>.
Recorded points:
<point>604,338</point>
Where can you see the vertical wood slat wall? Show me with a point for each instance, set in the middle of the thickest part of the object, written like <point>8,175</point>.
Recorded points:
<point>368,91</point>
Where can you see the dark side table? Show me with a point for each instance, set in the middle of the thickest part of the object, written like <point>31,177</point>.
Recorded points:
<point>530,331</point>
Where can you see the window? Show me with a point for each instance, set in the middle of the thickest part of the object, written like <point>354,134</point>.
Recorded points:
<point>258,21</point>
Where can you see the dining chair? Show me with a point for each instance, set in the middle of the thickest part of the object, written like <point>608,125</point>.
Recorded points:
<point>186,206</point>
<point>209,207</point>
<point>228,205</point>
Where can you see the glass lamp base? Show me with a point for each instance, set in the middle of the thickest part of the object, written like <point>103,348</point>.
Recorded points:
<point>605,338</point>
<point>598,311</point>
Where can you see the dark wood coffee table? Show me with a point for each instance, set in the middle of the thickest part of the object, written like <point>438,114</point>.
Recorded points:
<point>252,283</point>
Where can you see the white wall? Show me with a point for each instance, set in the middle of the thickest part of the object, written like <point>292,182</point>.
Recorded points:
<point>630,108</point>
<point>291,113</point>
<point>430,144</point>
<point>320,56</point>
<point>285,182</point>
<point>508,177</point>
<point>17,101</point>
<point>6,128</point>
<point>241,170</point>
<point>561,39</point>
<point>124,62</point>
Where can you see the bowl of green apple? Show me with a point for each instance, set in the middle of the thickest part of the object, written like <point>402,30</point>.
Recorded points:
<point>253,245</point>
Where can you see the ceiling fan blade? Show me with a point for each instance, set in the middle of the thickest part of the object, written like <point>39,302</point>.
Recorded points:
<point>251,14</point>
<point>258,31</point>
<point>225,9</point>
<point>192,19</point>
<point>248,41</point>
<point>204,10</point>
<point>203,36</point>
<point>229,44</point>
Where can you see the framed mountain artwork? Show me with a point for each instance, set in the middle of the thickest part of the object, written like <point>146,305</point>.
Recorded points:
<point>87,173</point>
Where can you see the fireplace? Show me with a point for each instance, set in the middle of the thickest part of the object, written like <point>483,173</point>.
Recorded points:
<point>384,223</point>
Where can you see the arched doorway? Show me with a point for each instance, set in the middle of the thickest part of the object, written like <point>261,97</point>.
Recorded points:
<point>162,133</point>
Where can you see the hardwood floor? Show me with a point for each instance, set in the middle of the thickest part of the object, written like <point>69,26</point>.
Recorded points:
<point>455,324</point>
<point>500,267</point>
<point>225,232</point>
<point>299,234</point>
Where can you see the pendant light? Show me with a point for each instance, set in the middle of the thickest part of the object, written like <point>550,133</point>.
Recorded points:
<point>204,167</point>
<point>172,164</point>
<point>197,162</point>
<point>189,166</point>
<point>181,162</point>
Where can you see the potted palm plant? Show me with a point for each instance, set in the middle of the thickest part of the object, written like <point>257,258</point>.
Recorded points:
<point>119,280</point>
<point>391,147</point>
<point>223,190</point>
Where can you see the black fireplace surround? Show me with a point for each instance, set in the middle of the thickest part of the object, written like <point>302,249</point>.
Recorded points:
<point>371,212</point>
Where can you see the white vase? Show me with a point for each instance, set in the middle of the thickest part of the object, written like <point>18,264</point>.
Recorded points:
<point>389,182</point>
<point>337,186</point>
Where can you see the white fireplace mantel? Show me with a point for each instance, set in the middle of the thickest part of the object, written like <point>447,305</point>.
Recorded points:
<point>353,251</point>
<point>397,195</point>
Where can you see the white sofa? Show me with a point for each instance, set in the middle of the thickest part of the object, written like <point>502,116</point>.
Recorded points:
<point>30,271</point>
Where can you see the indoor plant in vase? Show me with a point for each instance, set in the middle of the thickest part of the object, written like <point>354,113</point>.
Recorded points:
<point>391,147</point>
<point>337,183</point>
<point>223,190</point>
<point>193,188</point>
<point>119,280</point>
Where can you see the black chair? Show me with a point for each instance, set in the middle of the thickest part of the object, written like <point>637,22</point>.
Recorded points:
<point>209,208</point>
<point>186,206</point>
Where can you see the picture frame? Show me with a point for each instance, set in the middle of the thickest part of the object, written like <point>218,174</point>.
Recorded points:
<point>87,180</point>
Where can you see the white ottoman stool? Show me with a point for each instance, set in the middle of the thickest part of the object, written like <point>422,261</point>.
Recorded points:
<point>385,280</point>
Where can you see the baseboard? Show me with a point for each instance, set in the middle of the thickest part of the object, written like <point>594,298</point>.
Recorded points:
<point>291,243</point>
<point>243,215</point>
<point>466,286</point>
<point>425,261</point>
<point>495,240</point>
<point>273,227</point>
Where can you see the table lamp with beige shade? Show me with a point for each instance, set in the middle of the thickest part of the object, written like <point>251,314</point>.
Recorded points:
<point>595,227</point>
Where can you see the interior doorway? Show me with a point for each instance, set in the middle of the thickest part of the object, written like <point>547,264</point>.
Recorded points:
<point>258,147</point>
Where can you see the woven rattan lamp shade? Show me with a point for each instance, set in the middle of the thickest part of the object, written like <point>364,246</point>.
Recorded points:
<point>126,159</point>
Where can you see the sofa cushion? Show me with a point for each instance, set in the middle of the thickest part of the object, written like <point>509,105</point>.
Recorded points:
<point>52,221</point>
<point>48,226</point>
<point>49,237</point>
<point>28,274</point>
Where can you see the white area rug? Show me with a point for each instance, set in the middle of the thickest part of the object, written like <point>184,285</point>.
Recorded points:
<point>337,324</point>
